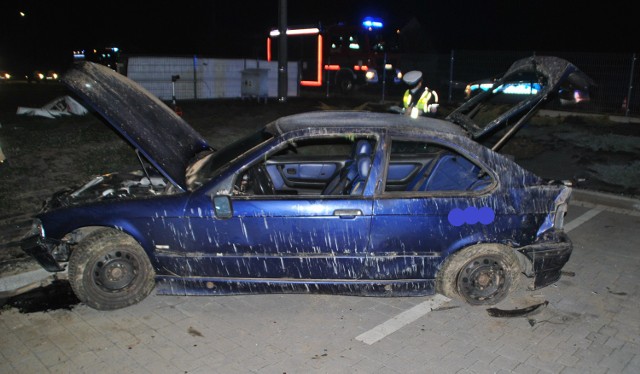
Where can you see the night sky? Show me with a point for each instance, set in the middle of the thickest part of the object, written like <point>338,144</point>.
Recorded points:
<point>50,30</point>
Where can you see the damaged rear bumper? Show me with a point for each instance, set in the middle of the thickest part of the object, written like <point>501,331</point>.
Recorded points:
<point>546,258</point>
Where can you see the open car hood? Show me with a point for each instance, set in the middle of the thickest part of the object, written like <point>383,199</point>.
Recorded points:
<point>149,125</point>
<point>556,74</point>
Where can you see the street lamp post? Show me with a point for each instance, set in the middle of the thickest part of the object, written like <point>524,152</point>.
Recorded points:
<point>282,51</point>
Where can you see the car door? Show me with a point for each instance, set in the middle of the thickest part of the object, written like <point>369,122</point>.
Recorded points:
<point>303,175</point>
<point>296,237</point>
<point>411,227</point>
<point>289,234</point>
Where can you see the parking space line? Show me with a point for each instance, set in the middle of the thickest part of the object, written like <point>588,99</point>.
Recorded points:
<point>408,316</point>
<point>582,219</point>
<point>394,324</point>
<point>634,210</point>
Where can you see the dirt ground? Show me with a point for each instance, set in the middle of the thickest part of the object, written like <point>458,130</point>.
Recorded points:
<point>46,155</point>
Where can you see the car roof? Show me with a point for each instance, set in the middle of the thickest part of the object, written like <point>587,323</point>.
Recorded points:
<point>361,119</point>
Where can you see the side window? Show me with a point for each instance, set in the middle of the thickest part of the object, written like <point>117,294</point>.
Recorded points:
<point>353,42</point>
<point>332,165</point>
<point>344,41</point>
<point>429,167</point>
<point>336,43</point>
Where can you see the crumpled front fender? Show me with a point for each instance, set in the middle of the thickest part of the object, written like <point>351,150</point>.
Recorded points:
<point>45,251</point>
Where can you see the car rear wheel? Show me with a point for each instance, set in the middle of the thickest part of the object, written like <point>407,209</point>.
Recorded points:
<point>482,274</point>
<point>110,270</point>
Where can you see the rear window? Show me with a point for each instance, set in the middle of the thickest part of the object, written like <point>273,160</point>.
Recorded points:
<point>416,166</point>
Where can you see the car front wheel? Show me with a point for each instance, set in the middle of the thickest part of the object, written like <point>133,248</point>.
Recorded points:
<point>110,270</point>
<point>482,274</point>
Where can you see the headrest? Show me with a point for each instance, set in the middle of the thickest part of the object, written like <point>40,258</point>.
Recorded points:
<point>364,165</point>
<point>363,147</point>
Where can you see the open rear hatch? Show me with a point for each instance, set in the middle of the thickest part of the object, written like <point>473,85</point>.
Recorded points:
<point>555,76</point>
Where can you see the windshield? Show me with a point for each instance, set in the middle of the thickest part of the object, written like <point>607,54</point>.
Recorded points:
<point>203,169</point>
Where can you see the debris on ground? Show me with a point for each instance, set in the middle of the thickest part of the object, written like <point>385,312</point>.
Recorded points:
<point>445,308</point>
<point>62,106</point>
<point>495,312</point>
<point>616,292</point>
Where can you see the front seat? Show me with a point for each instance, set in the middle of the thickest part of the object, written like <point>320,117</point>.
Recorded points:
<point>358,184</point>
<point>360,161</point>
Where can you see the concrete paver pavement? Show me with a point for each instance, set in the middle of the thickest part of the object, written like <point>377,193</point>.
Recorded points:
<point>591,325</point>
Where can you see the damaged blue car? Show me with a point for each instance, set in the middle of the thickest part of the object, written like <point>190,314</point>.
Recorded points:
<point>337,202</point>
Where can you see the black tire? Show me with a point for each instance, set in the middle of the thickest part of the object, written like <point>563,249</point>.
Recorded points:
<point>345,82</point>
<point>110,270</point>
<point>482,274</point>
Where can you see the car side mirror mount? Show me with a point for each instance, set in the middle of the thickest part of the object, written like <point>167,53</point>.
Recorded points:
<point>222,206</point>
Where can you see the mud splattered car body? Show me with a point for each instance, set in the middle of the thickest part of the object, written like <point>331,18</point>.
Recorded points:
<point>343,202</point>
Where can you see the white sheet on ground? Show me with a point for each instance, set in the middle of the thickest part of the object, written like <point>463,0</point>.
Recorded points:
<point>62,106</point>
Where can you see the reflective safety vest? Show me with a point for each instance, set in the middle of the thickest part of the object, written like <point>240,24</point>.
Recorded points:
<point>423,106</point>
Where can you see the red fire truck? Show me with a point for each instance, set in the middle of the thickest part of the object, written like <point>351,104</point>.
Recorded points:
<point>342,55</point>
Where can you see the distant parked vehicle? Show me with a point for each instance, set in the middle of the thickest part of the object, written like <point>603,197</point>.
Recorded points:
<point>39,76</point>
<point>519,88</point>
<point>509,88</point>
<point>4,76</point>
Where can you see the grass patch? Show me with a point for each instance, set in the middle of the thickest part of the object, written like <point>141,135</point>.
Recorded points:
<point>625,175</point>
<point>603,142</point>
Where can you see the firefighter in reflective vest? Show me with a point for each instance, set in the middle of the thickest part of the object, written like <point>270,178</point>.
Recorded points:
<point>418,100</point>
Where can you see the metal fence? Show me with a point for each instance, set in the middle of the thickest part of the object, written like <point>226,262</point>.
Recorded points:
<point>205,77</point>
<point>616,75</point>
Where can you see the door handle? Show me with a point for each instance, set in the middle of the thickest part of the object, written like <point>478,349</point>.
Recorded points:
<point>347,213</point>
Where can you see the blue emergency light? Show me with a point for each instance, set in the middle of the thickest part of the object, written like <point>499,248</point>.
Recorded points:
<point>370,22</point>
